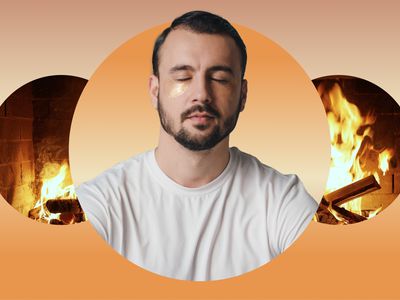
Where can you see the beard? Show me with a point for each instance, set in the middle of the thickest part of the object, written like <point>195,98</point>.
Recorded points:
<point>199,143</point>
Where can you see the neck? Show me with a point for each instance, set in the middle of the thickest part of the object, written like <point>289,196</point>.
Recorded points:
<point>191,168</point>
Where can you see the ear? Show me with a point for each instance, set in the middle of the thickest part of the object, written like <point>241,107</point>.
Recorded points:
<point>154,87</point>
<point>243,94</point>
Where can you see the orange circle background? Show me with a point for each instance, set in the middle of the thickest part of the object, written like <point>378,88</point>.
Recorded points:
<point>283,124</point>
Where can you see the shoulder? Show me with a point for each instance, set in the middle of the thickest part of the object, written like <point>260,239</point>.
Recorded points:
<point>253,166</point>
<point>278,188</point>
<point>113,178</point>
<point>288,206</point>
<point>104,197</point>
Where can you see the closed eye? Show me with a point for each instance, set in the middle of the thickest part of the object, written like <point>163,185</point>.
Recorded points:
<point>219,80</point>
<point>183,79</point>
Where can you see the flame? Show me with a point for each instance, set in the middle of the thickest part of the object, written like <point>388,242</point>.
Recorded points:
<point>384,158</point>
<point>375,212</point>
<point>56,184</point>
<point>351,137</point>
<point>344,121</point>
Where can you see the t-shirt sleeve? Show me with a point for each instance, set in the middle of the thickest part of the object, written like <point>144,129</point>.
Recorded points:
<point>94,204</point>
<point>294,211</point>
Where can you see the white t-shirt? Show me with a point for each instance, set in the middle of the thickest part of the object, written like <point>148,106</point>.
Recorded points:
<point>241,220</point>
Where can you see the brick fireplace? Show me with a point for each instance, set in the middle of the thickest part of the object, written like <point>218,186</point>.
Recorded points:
<point>17,163</point>
<point>35,123</point>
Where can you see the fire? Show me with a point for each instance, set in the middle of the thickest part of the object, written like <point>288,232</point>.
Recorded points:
<point>374,213</point>
<point>384,158</point>
<point>351,141</point>
<point>344,120</point>
<point>56,184</point>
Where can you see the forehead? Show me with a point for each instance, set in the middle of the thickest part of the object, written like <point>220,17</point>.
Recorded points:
<point>200,50</point>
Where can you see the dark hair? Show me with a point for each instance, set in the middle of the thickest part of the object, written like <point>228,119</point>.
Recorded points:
<point>201,22</point>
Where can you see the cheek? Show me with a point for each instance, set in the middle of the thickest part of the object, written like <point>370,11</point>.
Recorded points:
<point>229,102</point>
<point>171,110</point>
<point>177,89</point>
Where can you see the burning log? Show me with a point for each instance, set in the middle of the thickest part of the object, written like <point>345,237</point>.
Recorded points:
<point>56,222</point>
<point>34,213</point>
<point>348,215</point>
<point>330,210</point>
<point>59,212</point>
<point>352,191</point>
<point>64,205</point>
<point>325,210</point>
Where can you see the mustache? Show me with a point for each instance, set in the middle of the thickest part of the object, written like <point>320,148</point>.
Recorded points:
<point>200,108</point>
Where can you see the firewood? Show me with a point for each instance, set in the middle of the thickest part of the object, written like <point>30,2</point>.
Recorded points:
<point>56,222</point>
<point>353,190</point>
<point>64,206</point>
<point>67,218</point>
<point>348,215</point>
<point>326,216</point>
<point>34,213</point>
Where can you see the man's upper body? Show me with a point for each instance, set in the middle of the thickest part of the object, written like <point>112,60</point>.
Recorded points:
<point>194,208</point>
<point>237,222</point>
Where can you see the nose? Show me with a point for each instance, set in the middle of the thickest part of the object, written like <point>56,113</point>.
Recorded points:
<point>201,90</point>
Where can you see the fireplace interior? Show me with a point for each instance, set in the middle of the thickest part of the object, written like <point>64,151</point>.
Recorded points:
<point>35,123</point>
<point>383,126</point>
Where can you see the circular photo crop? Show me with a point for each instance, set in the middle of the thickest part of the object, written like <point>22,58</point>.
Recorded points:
<point>179,146</point>
<point>364,174</point>
<point>35,123</point>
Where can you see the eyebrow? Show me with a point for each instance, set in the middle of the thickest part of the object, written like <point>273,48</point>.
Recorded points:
<point>221,68</point>
<point>216,68</point>
<point>181,68</point>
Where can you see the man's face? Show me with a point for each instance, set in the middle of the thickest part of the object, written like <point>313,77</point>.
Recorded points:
<point>199,92</point>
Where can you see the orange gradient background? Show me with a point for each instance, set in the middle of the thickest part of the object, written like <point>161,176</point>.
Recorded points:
<point>44,38</point>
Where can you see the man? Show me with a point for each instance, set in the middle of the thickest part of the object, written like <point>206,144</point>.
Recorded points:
<point>194,208</point>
